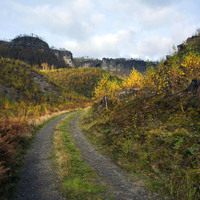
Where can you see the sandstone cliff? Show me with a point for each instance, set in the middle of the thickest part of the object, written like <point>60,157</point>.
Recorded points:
<point>35,51</point>
<point>123,66</point>
<point>119,66</point>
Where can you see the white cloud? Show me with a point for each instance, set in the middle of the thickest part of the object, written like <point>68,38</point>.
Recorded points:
<point>72,20</point>
<point>154,47</point>
<point>109,45</point>
<point>98,18</point>
<point>122,44</point>
<point>103,28</point>
<point>157,17</point>
<point>181,31</point>
<point>158,3</point>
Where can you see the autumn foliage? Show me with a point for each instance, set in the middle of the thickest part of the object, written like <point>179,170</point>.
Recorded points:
<point>150,122</point>
<point>147,118</point>
<point>169,77</point>
<point>12,136</point>
<point>78,81</point>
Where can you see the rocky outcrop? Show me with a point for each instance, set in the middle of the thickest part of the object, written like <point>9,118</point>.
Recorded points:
<point>123,66</point>
<point>42,83</point>
<point>10,92</point>
<point>87,62</point>
<point>119,66</point>
<point>35,51</point>
<point>64,56</point>
<point>28,42</point>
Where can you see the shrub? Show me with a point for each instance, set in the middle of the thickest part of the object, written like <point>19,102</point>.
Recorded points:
<point>12,134</point>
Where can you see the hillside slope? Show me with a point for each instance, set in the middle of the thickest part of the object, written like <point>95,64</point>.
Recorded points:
<point>20,81</point>
<point>36,51</point>
<point>150,124</point>
<point>26,94</point>
<point>82,81</point>
<point>25,91</point>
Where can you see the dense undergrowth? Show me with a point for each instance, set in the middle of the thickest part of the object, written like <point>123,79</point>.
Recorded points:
<point>13,134</point>
<point>150,123</point>
<point>15,138</point>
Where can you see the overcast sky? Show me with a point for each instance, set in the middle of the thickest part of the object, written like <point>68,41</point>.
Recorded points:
<point>145,29</point>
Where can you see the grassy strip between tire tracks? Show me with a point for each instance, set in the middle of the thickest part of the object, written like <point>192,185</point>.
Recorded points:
<point>78,180</point>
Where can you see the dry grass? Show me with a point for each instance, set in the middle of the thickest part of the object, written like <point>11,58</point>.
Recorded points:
<point>42,119</point>
<point>13,133</point>
<point>62,157</point>
<point>15,137</point>
<point>11,137</point>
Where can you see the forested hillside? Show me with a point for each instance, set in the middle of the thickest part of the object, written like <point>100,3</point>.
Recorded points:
<point>27,93</point>
<point>81,80</point>
<point>20,84</point>
<point>150,123</point>
<point>36,52</point>
<point>147,122</point>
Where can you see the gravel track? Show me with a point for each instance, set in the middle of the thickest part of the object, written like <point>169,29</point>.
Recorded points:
<point>118,182</point>
<point>37,180</point>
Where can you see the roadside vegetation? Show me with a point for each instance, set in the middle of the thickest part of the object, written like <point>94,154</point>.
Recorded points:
<point>78,180</point>
<point>149,123</point>
<point>27,97</point>
<point>15,137</point>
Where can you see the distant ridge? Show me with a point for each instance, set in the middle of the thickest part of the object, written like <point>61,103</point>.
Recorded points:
<point>35,51</point>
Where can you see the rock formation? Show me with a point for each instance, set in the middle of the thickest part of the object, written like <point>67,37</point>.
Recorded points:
<point>87,62</point>
<point>123,66</point>
<point>35,51</point>
<point>64,56</point>
<point>119,66</point>
<point>28,42</point>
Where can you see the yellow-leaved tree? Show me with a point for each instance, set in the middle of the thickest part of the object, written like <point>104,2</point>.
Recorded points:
<point>134,80</point>
<point>107,90</point>
<point>191,65</point>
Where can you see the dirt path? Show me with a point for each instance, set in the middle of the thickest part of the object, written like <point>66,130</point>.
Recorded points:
<point>118,182</point>
<point>37,180</point>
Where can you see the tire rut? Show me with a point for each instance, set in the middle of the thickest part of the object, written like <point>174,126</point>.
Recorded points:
<point>118,182</point>
<point>37,180</point>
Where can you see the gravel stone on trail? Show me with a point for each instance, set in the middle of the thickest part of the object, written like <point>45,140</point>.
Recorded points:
<point>37,180</point>
<point>119,183</point>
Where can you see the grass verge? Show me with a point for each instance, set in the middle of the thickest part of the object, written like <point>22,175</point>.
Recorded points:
<point>78,180</point>
<point>18,135</point>
<point>163,153</point>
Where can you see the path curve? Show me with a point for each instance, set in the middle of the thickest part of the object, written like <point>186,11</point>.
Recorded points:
<point>37,180</point>
<point>118,182</point>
